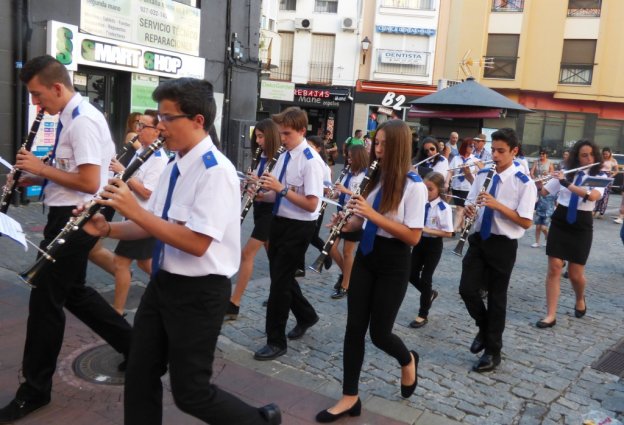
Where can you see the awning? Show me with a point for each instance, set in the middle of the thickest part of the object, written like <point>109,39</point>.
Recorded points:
<point>481,113</point>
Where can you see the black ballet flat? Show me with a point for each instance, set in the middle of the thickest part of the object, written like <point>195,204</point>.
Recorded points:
<point>580,313</point>
<point>542,324</point>
<point>326,417</point>
<point>408,390</point>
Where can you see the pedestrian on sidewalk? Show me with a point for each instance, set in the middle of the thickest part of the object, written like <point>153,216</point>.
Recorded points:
<point>426,255</point>
<point>506,197</point>
<point>571,229</point>
<point>393,203</point>
<point>181,313</point>
<point>298,188</point>
<point>78,168</point>
<point>266,136</point>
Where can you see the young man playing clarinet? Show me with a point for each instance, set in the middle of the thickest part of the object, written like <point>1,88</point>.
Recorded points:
<point>78,168</point>
<point>505,211</point>
<point>198,250</point>
<point>298,187</point>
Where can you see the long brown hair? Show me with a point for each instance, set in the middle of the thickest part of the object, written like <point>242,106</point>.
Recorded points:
<point>271,137</point>
<point>359,158</point>
<point>396,163</point>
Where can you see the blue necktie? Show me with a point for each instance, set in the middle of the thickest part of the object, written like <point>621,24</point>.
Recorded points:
<point>175,172</point>
<point>261,166</point>
<point>343,196</point>
<point>462,178</point>
<point>488,213</point>
<point>574,199</point>
<point>427,208</point>
<point>368,238</point>
<point>278,198</point>
<point>59,127</point>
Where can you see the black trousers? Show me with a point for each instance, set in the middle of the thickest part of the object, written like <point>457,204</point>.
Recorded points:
<point>425,258</point>
<point>289,241</point>
<point>177,323</point>
<point>488,265</point>
<point>62,284</point>
<point>377,288</point>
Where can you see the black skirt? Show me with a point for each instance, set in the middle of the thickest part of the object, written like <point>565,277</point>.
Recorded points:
<point>140,249</point>
<point>262,214</point>
<point>571,242</point>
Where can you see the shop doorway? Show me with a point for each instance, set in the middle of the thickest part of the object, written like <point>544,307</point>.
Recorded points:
<point>104,89</point>
<point>319,120</point>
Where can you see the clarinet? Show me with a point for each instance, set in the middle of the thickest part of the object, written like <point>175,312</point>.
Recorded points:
<point>334,233</point>
<point>124,149</point>
<point>257,187</point>
<point>76,223</point>
<point>470,221</point>
<point>254,163</point>
<point>8,190</point>
<point>331,193</point>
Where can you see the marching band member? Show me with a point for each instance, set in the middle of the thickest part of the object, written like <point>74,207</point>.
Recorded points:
<point>142,184</point>
<point>265,136</point>
<point>438,163</point>
<point>571,228</point>
<point>78,169</point>
<point>506,212</point>
<point>426,255</point>
<point>181,312</point>
<point>459,182</point>
<point>299,187</point>
<point>480,152</point>
<point>381,268</point>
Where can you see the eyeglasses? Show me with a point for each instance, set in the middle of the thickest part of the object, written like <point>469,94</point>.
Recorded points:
<point>431,149</point>
<point>169,118</point>
<point>141,126</point>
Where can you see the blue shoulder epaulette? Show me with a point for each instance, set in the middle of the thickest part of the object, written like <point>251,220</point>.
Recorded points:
<point>522,176</point>
<point>308,153</point>
<point>442,206</point>
<point>414,177</point>
<point>517,163</point>
<point>76,112</point>
<point>209,159</point>
<point>157,153</point>
<point>442,158</point>
<point>484,170</point>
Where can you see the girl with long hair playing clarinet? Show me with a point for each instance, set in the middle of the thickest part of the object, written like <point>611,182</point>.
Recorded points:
<point>426,255</point>
<point>266,136</point>
<point>393,205</point>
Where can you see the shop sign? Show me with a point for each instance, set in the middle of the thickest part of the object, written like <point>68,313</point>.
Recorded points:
<point>72,48</point>
<point>392,29</point>
<point>277,90</point>
<point>321,96</point>
<point>404,58</point>
<point>394,101</point>
<point>141,91</point>
<point>163,24</point>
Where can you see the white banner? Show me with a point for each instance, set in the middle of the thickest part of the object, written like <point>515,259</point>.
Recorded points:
<point>277,90</point>
<point>404,58</point>
<point>164,24</point>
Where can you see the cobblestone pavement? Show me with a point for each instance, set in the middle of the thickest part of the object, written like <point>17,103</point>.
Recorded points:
<point>545,377</point>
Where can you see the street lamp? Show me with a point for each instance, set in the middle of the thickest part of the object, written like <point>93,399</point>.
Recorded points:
<point>365,46</point>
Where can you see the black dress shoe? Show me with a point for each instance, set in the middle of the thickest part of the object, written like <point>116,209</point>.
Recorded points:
<point>566,274</point>
<point>271,413</point>
<point>478,343</point>
<point>326,417</point>
<point>299,330</point>
<point>327,262</point>
<point>487,362</point>
<point>300,273</point>
<point>408,390</point>
<point>542,324</point>
<point>269,352</point>
<point>339,293</point>
<point>338,283</point>
<point>580,313</point>
<point>415,324</point>
<point>17,409</point>
<point>265,303</point>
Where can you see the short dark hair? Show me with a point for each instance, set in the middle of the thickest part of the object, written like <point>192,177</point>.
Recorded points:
<point>356,132</point>
<point>153,114</point>
<point>193,96</point>
<point>49,71</point>
<point>507,135</point>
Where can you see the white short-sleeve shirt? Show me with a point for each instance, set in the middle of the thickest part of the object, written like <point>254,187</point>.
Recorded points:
<point>411,210</point>
<point>462,183</point>
<point>85,139</point>
<point>554,188</point>
<point>149,172</point>
<point>205,199</point>
<point>354,183</point>
<point>516,191</point>
<point>305,174</point>
<point>440,217</point>
<point>441,166</point>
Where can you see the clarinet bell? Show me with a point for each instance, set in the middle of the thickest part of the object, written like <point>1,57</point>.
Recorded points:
<point>317,266</point>
<point>459,248</point>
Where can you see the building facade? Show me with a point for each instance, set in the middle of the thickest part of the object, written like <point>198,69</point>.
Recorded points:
<point>560,58</point>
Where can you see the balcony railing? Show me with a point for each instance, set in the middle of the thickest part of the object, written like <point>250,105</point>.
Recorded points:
<point>410,4</point>
<point>503,67</point>
<point>402,62</point>
<point>321,72</point>
<point>284,72</point>
<point>288,5</point>
<point>576,74</point>
<point>584,8</point>
<point>507,5</point>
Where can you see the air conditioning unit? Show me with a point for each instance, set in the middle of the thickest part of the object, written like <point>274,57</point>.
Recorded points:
<point>444,83</point>
<point>303,24</point>
<point>348,24</point>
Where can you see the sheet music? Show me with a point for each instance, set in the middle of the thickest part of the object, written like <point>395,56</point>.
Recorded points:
<point>13,230</point>
<point>5,163</point>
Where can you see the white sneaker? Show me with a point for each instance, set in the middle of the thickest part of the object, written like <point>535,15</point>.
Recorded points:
<point>618,221</point>
<point>535,245</point>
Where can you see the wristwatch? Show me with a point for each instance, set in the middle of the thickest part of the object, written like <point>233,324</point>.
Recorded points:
<point>284,191</point>
<point>586,197</point>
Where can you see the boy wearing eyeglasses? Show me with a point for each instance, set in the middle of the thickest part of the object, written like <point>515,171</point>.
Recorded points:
<point>180,315</point>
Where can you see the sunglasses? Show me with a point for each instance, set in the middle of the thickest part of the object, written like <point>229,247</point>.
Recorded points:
<point>431,149</point>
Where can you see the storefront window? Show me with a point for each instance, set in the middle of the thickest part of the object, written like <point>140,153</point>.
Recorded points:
<point>554,131</point>
<point>609,135</point>
<point>380,114</point>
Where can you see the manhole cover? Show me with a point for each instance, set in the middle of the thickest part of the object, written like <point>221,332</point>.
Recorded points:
<point>612,360</point>
<point>99,366</point>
